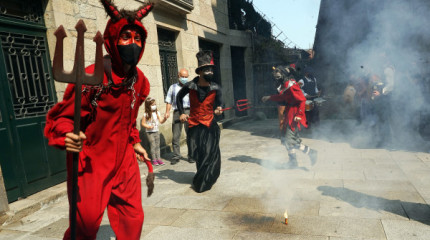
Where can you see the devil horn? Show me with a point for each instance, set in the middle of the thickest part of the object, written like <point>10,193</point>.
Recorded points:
<point>143,11</point>
<point>111,9</point>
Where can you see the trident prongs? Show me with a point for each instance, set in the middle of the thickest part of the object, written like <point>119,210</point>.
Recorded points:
<point>241,105</point>
<point>77,75</point>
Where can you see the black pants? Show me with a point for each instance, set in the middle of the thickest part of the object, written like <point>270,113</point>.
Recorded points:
<point>203,147</point>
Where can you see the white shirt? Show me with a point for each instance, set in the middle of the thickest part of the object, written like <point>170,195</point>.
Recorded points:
<point>171,96</point>
<point>152,122</point>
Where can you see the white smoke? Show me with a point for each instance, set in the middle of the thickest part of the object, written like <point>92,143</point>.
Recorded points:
<point>362,38</point>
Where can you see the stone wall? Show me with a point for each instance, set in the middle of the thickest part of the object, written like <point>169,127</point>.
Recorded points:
<point>3,197</point>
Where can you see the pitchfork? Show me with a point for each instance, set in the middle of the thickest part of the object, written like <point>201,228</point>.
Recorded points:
<point>241,105</point>
<point>78,77</point>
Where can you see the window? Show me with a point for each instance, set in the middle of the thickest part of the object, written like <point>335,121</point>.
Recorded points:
<point>168,58</point>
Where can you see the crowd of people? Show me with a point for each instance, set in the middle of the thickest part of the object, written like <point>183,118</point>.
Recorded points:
<point>370,94</point>
<point>388,101</point>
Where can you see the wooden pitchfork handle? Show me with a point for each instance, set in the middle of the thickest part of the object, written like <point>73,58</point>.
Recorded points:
<point>78,77</point>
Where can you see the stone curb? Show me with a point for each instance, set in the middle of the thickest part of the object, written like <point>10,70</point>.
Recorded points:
<point>33,203</point>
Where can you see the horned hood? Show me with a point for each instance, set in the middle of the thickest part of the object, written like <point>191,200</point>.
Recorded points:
<point>118,20</point>
<point>111,37</point>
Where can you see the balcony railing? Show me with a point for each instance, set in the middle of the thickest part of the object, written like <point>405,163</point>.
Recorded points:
<point>181,6</point>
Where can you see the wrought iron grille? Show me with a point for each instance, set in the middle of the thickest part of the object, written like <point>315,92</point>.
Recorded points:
<point>169,68</point>
<point>27,73</point>
<point>25,10</point>
<point>167,45</point>
<point>168,58</point>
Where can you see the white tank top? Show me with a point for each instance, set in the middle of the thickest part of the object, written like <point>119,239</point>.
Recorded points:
<point>152,122</point>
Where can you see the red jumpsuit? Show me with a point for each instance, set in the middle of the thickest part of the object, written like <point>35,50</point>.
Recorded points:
<point>295,104</point>
<point>108,174</point>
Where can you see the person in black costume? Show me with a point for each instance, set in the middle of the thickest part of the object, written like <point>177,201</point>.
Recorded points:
<point>203,133</point>
<point>311,91</point>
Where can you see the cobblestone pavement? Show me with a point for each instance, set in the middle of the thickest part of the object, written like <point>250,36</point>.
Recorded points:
<point>350,193</point>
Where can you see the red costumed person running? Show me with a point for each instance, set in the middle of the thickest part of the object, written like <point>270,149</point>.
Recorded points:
<point>294,115</point>
<point>109,143</point>
<point>203,133</point>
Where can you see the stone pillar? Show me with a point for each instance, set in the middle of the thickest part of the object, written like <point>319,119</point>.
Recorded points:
<point>4,205</point>
<point>249,78</point>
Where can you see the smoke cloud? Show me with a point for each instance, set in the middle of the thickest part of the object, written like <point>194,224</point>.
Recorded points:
<point>365,40</point>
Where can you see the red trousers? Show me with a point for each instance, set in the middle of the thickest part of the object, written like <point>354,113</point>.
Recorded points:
<point>103,183</point>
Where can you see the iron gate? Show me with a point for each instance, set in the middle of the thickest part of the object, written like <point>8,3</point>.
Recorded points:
<point>239,76</point>
<point>27,93</point>
<point>264,86</point>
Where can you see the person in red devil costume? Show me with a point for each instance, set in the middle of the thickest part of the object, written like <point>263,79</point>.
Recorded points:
<point>279,84</point>
<point>109,143</point>
<point>203,131</point>
<point>294,115</point>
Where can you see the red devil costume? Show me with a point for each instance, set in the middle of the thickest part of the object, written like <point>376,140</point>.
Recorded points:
<point>108,174</point>
<point>203,133</point>
<point>294,114</point>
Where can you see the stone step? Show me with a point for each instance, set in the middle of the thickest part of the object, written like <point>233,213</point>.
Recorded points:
<point>33,203</point>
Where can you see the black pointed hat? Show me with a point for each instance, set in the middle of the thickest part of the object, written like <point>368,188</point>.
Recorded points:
<point>204,58</point>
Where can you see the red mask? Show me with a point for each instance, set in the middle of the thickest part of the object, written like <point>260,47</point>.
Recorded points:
<point>130,36</point>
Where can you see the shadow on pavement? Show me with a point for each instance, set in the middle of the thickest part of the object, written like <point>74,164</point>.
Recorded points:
<point>178,177</point>
<point>271,165</point>
<point>414,211</point>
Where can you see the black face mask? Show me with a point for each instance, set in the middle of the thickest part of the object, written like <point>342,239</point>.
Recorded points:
<point>208,77</point>
<point>129,53</point>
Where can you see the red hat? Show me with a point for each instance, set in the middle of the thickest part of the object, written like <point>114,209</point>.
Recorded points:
<point>293,65</point>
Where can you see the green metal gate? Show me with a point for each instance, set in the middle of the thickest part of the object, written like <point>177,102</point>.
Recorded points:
<point>27,93</point>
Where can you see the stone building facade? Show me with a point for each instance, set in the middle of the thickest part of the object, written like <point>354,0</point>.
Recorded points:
<point>191,22</point>
<point>177,29</point>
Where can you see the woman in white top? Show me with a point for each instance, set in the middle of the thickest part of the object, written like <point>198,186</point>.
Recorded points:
<point>150,121</point>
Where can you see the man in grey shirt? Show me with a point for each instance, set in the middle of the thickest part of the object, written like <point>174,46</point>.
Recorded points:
<point>176,123</point>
